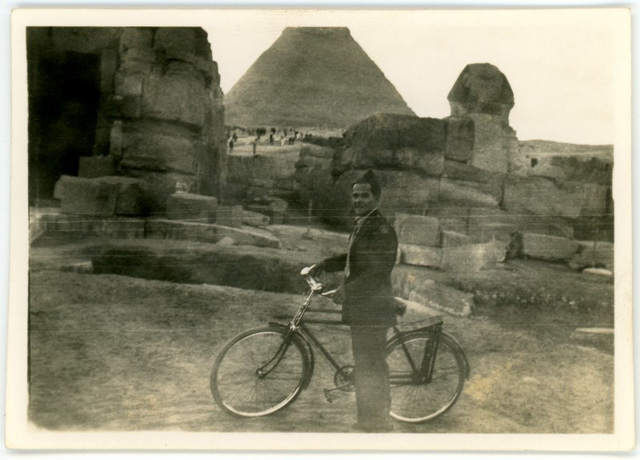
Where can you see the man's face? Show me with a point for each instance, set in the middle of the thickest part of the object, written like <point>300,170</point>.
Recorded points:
<point>363,200</point>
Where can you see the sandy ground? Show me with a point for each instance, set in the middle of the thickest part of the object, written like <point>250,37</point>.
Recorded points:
<point>110,352</point>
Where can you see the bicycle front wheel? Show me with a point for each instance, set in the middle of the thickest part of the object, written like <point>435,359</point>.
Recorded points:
<point>412,399</point>
<point>259,372</point>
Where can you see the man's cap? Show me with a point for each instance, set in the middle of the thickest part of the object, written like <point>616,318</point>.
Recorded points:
<point>370,178</point>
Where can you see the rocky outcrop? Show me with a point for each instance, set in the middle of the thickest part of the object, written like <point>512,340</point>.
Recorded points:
<point>399,142</point>
<point>158,113</point>
<point>190,207</point>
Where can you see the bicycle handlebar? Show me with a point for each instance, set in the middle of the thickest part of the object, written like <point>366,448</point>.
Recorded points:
<point>313,283</point>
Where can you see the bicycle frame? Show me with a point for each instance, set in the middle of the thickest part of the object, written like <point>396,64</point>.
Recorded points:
<point>423,386</point>
<point>421,373</point>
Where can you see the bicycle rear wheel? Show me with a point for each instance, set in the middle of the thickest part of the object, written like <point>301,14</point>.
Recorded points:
<point>414,401</point>
<point>259,372</point>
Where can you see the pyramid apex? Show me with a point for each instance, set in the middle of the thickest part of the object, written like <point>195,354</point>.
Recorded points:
<point>317,31</point>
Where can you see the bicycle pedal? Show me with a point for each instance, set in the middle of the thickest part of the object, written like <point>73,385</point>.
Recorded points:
<point>327,396</point>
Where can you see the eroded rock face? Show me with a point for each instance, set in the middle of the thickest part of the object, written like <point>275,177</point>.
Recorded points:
<point>401,142</point>
<point>168,87</point>
<point>151,94</point>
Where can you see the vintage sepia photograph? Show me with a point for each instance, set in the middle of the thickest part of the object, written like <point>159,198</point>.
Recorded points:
<point>321,229</point>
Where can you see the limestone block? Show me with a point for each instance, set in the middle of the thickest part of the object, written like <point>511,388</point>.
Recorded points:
<point>426,162</point>
<point>205,66</point>
<point>544,197</point>
<point>129,107</point>
<point>108,67</point>
<point>128,84</point>
<point>255,219</point>
<point>86,196</point>
<point>473,257</point>
<point>464,172</point>
<point>452,218</point>
<point>184,70</point>
<point>489,149</point>
<point>287,183</point>
<point>399,141</point>
<point>241,170</point>
<point>258,195</point>
<point>264,183</point>
<point>469,194</point>
<point>91,167</point>
<point>258,208</point>
<point>138,55</point>
<point>452,239</point>
<point>136,37</point>
<point>566,162</point>
<point>180,39</point>
<point>84,39</point>
<point>191,207</point>
<point>548,247</point>
<point>131,194</point>
<point>460,137</point>
<point>488,232</point>
<point>159,185</point>
<point>423,256</point>
<point>154,149</point>
<point>316,151</point>
<point>417,230</point>
<point>229,216</point>
<point>277,211</point>
<point>485,218</point>
<point>208,233</point>
<point>443,298</point>
<point>175,98</point>
<point>593,254</point>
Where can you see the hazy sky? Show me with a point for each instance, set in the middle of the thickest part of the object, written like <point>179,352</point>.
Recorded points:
<point>561,65</point>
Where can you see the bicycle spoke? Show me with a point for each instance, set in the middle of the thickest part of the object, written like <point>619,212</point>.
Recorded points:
<point>239,389</point>
<point>412,399</point>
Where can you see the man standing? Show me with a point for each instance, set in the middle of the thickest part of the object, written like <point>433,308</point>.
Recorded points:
<point>367,301</point>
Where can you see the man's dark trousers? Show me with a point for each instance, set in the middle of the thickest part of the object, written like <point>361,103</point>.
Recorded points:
<point>371,375</point>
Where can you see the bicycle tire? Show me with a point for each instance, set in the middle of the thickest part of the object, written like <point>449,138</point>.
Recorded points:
<point>416,402</point>
<point>236,385</point>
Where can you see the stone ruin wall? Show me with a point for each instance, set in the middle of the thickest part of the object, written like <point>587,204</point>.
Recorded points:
<point>160,116</point>
<point>464,191</point>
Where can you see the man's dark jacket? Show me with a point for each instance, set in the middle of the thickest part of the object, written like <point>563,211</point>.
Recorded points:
<point>372,255</point>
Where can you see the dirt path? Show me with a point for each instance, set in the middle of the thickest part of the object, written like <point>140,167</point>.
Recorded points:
<point>116,353</point>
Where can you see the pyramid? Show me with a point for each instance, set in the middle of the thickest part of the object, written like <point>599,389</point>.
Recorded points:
<point>312,77</point>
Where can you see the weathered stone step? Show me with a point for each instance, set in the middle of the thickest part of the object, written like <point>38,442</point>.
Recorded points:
<point>51,224</point>
<point>209,233</point>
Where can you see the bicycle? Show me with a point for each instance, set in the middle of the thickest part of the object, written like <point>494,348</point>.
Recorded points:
<point>264,370</point>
